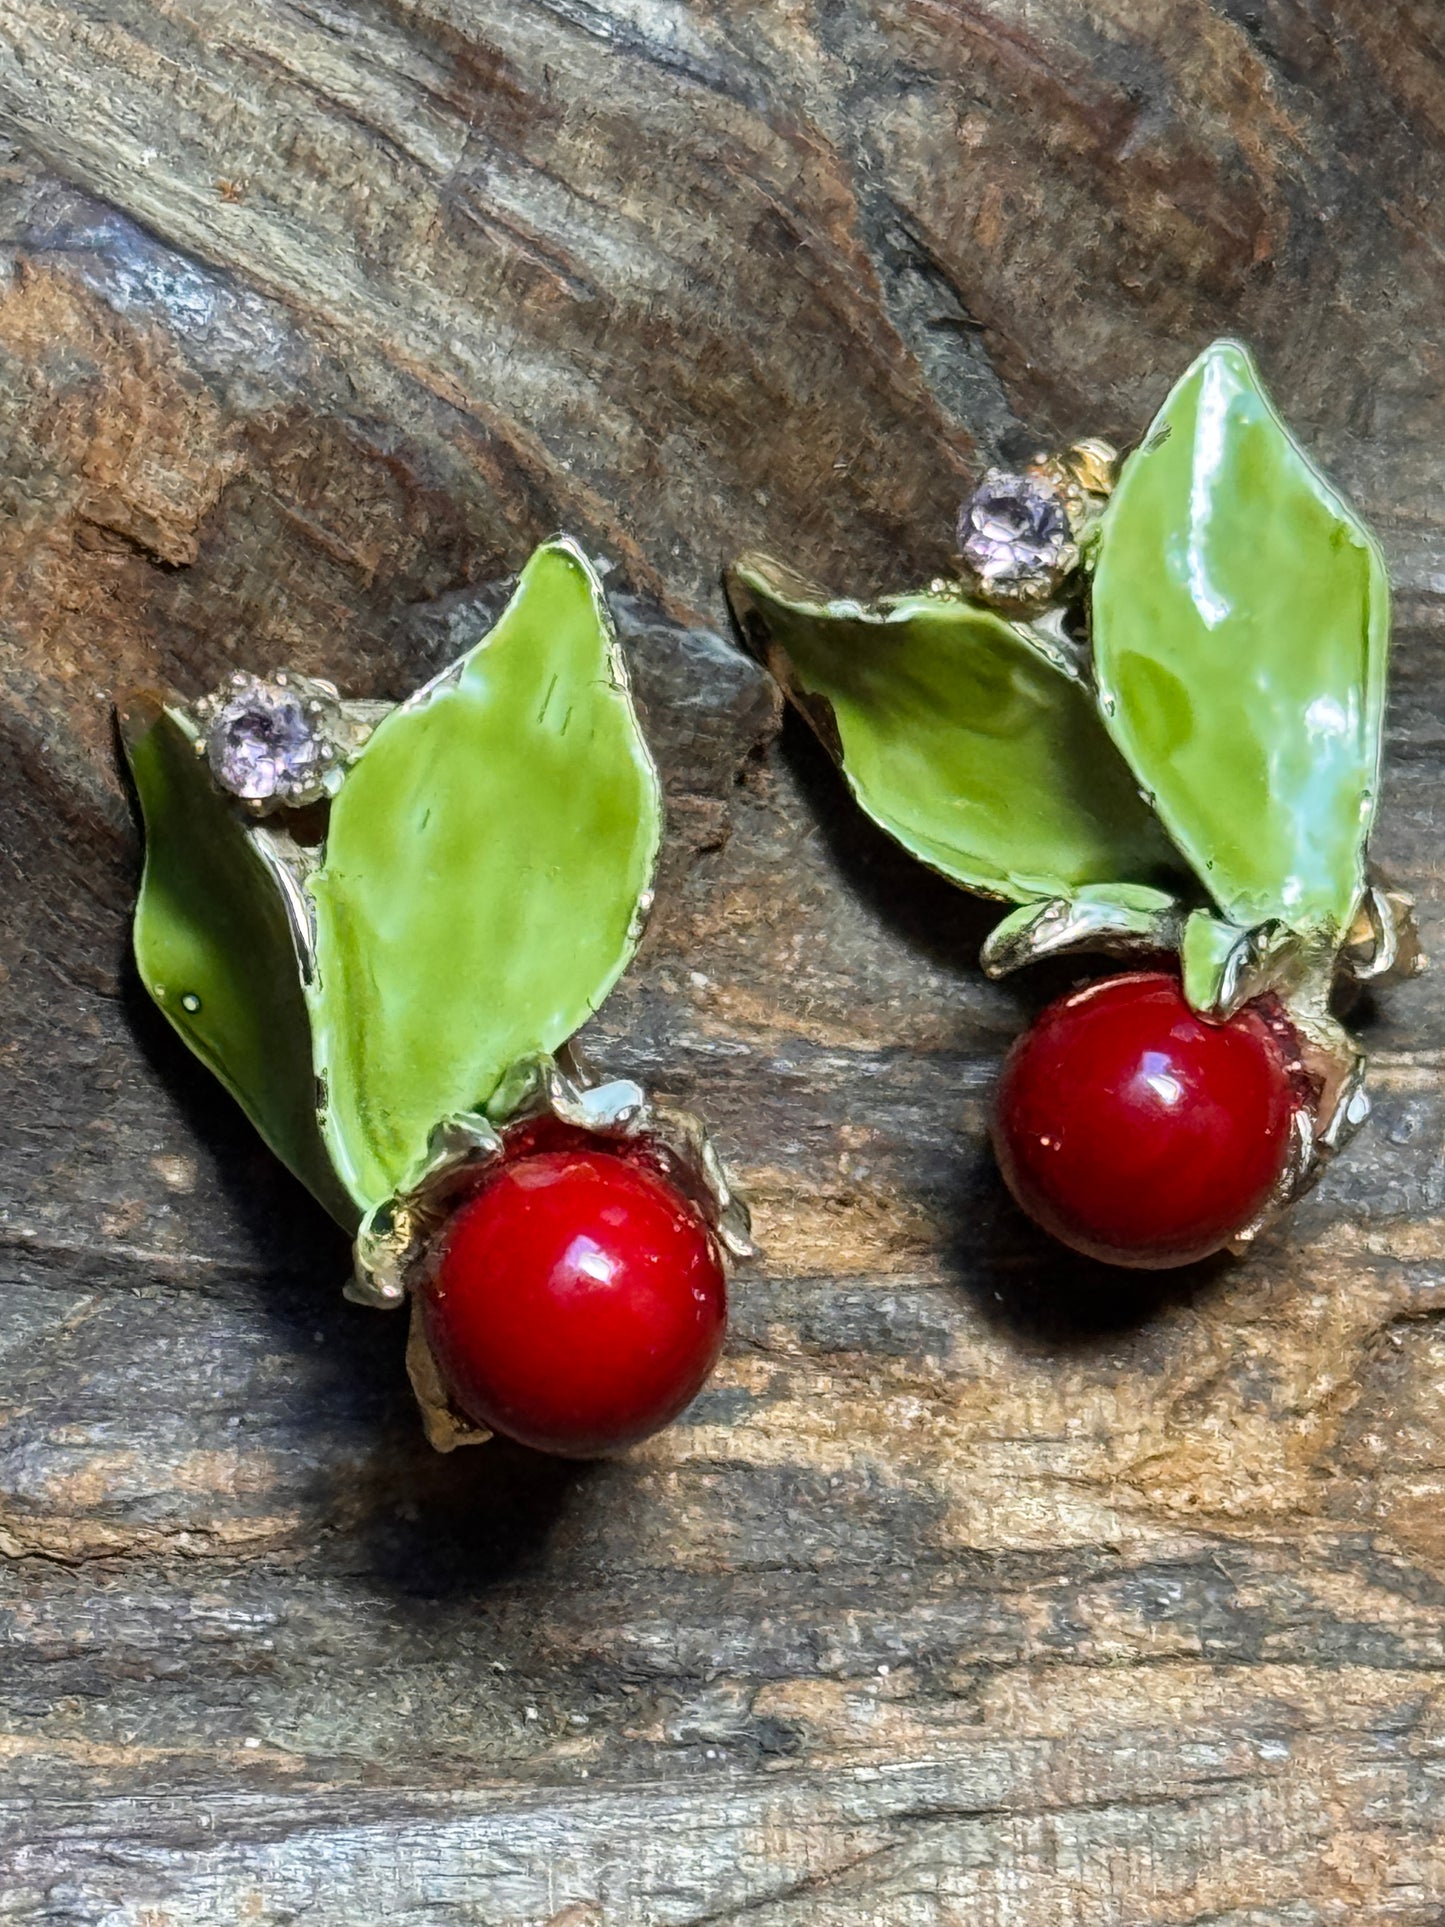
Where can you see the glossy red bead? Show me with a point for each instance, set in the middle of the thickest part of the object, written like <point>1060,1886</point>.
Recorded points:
<point>578,1302</point>
<point>1138,1133</point>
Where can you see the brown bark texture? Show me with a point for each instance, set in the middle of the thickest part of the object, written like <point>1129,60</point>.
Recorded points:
<point>975,1591</point>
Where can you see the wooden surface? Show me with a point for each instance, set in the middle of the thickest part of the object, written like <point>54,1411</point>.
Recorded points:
<point>973,1591</point>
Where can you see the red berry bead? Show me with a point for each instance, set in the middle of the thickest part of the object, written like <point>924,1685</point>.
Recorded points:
<point>1135,1131</point>
<point>578,1303</point>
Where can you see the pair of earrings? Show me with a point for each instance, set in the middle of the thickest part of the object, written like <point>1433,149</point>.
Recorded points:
<point>1146,712</point>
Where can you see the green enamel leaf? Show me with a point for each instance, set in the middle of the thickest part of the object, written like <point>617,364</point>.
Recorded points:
<point>1207,958</point>
<point>1224,967</point>
<point>486,865</point>
<point>1122,920</point>
<point>1241,628</point>
<point>215,944</point>
<point>961,734</point>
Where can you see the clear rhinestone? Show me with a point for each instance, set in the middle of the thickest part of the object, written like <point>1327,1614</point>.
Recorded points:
<point>1014,533</point>
<point>263,745</point>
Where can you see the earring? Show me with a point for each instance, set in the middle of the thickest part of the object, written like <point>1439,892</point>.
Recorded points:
<point>381,927</point>
<point>1146,710</point>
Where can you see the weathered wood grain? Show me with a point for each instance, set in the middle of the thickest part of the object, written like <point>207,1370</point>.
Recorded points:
<point>975,1591</point>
